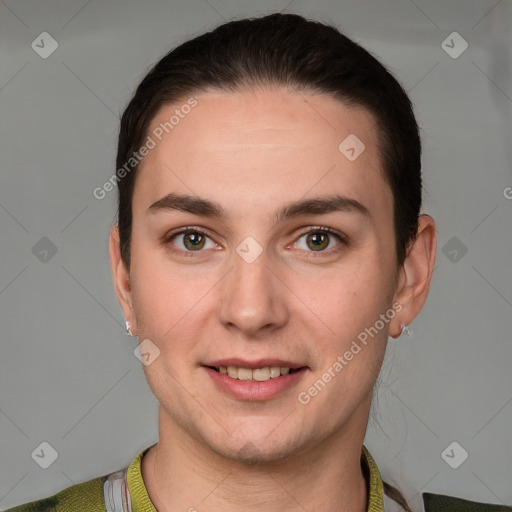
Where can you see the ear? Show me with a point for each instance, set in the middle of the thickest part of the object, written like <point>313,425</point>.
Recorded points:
<point>121,276</point>
<point>415,275</point>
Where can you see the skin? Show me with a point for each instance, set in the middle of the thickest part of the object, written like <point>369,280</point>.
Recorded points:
<point>253,152</point>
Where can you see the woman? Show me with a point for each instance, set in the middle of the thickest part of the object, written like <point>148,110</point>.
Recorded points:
<point>269,241</point>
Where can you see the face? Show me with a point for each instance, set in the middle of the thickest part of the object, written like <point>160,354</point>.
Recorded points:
<point>291,264</point>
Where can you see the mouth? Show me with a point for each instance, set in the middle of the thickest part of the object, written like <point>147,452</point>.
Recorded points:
<point>257,381</point>
<point>261,374</point>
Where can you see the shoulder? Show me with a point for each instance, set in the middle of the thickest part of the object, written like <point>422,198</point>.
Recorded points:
<point>443,503</point>
<point>84,497</point>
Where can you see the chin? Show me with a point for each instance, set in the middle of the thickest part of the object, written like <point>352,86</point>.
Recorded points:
<point>250,448</point>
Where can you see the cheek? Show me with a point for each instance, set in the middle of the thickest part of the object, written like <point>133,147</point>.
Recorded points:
<point>170,307</point>
<point>161,294</point>
<point>347,298</point>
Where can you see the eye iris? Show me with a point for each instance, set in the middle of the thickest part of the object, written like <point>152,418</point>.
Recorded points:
<point>195,238</point>
<point>319,240</point>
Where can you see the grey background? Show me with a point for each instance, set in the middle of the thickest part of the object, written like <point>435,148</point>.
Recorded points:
<point>68,375</point>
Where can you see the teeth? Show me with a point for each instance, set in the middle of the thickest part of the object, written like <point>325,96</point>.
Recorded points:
<point>244,373</point>
<point>275,372</point>
<point>259,375</point>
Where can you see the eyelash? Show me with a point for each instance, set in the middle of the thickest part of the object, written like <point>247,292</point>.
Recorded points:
<point>316,229</point>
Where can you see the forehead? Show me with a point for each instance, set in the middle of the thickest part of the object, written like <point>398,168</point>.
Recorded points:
<point>263,143</point>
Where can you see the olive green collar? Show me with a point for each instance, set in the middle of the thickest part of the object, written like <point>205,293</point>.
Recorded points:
<point>142,503</point>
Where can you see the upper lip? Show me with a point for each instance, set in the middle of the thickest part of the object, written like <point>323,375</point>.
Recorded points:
<point>253,365</point>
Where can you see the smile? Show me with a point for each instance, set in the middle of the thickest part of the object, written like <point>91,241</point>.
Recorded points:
<point>255,384</point>
<point>258,374</point>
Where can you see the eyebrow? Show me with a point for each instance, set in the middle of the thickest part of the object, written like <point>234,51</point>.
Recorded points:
<point>314,206</point>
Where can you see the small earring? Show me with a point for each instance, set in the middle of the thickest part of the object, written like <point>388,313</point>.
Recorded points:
<point>128,329</point>
<point>405,328</point>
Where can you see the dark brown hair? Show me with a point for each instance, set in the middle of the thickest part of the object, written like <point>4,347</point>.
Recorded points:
<point>281,50</point>
<point>302,55</point>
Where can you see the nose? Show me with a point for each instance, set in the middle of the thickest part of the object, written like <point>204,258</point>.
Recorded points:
<point>253,299</point>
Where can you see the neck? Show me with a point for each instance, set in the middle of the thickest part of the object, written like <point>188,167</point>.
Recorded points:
<point>182,473</point>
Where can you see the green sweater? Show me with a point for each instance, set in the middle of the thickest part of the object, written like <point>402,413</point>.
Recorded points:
<point>124,491</point>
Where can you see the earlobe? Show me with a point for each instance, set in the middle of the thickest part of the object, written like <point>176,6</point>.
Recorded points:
<point>121,277</point>
<point>416,275</point>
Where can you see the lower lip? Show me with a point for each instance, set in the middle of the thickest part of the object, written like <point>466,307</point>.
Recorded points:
<point>253,390</point>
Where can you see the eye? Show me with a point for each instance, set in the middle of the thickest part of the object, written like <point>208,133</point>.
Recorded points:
<point>319,239</point>
<point>189,240</point>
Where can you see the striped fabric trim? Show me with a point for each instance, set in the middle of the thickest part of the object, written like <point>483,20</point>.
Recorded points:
<point>116,494</point>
